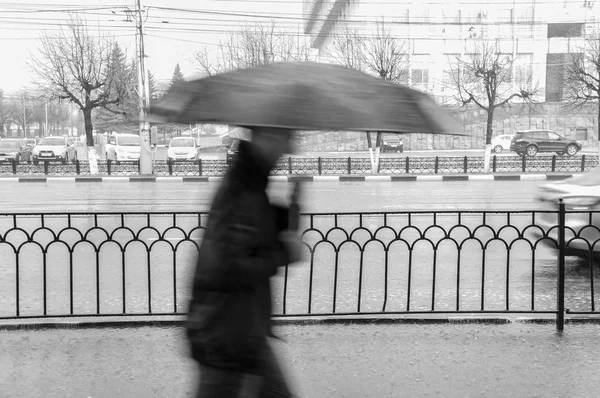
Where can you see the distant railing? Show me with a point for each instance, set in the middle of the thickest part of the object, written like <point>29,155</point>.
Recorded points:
<point>320,166</point>
<point>131,264</point>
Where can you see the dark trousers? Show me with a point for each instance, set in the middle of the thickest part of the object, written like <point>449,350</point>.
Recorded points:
<point>271,383</point>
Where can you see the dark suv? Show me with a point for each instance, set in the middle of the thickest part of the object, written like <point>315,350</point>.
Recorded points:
<point>531,142</point>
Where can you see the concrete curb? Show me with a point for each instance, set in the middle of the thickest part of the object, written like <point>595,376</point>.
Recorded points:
<point>309,178</point>
<point>302,321</point>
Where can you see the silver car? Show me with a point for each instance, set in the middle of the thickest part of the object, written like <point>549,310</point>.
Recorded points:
<point>54,149</point>
<point>581,195</point>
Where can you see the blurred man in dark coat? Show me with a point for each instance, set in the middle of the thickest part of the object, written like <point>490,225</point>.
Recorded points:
<point>245,242</point>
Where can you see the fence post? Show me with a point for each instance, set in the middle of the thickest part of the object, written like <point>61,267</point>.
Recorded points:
<point>465,164</point>
<point>494,164</point>
<point>560,291</point>
<point>200,167</point>
<point>582,163</point>
<point>349,165</point>
<point>553,163</point>
<point>290,165</point>
<point>108,166</point>
<point>46,167</point>
<point>407,166</point>
<point>523,167</point>
<point>319,165</point>
<point>436,165</point>
<point>77,167</point>
<point>14,165</point>
<point>170,164</point>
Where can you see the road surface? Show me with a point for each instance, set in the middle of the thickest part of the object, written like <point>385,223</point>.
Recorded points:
<point>318,196</point>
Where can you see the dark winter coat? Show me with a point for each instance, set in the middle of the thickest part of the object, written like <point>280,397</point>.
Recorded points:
<point>229,316</point>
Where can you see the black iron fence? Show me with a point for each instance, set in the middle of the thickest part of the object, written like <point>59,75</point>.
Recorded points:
<point>321,166</point>
<point>128,264</point>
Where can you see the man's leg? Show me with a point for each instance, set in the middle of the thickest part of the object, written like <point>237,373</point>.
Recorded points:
<point>217,383</point>
<point>275,384</point>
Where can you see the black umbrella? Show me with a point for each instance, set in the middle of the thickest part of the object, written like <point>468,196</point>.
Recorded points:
<point>304,96</point>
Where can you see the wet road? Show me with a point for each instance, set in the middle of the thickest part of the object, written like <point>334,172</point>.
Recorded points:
<point>384,361</point>
<point>318,196</point>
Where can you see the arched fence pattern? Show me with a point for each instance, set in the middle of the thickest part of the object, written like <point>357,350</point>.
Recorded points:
<point>111,264</point>
<point>322,166</point>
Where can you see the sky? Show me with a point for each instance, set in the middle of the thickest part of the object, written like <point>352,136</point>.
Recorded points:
<point>172,35</point>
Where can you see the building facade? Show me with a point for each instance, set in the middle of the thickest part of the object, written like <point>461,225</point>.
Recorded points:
<point>540,36</point>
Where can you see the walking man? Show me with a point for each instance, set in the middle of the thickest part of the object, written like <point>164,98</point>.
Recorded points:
<point>245,242</point>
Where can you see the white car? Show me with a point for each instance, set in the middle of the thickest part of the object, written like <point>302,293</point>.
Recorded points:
<point>581,196</point>
<point>54,148</point>
<point>123,147</point>
<point>182,149</point>
<point>501,142</point>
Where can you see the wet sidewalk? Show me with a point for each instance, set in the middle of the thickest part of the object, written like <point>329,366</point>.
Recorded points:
<point>356,360</point>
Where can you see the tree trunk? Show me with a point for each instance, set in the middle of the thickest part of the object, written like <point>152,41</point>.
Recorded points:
<point>488,140</point>
<point>91,149</point>
<point>371,157</point>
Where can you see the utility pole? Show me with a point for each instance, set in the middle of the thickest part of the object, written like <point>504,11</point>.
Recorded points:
<point>146,150</point>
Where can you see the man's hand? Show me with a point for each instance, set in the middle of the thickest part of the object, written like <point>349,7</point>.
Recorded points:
<point>293,243</point>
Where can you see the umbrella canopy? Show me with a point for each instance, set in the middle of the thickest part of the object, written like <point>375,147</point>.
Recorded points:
<point>304,96</point>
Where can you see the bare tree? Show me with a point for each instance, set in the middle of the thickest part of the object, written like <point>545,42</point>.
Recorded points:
<point>582,81</point>
<point>385,56</point>
<point>76,65</point>
<point>6,113</point>
<point>346,48</point>
<point>379,54</point>
<point>484,78</point>
<point>254,45</point>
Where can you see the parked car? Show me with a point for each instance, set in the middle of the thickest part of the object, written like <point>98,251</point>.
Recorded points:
<point>54,148</point>
<point>580,194</point>
<point>14,150</point>
<point>392,143</point>
<point>502,142</point>
<point>30,142</point>
<point>531,142</point>
<point>123,147</point>
<point>182,149</point>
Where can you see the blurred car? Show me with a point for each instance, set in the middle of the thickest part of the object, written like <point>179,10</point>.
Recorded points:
<point>234,147</point>
<point>581,196</point>
<point>232,150</point>
<point>392,143</point>
<point>123,147</point>
<point>182,149</point>
<point>54,148</point>
<point>531,142</point>
<point>501,142</point>
<point>14,150</point>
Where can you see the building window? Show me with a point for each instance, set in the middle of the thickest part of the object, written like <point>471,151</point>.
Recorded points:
<point>556,70</point>
<point>505,16</point>
<point>565,30</point>
<point>581,134</point>
<point>525,15</point>
<point>524,70</point>
<point>420,77</point>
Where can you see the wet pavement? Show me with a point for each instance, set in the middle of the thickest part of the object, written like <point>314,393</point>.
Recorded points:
<point>397,360</point>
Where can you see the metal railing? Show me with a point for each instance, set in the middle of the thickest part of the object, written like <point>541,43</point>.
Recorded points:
<point>129,264</point>
<point>321,166</point>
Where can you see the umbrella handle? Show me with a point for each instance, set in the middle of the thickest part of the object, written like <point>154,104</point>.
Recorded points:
<point>294,208</point>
